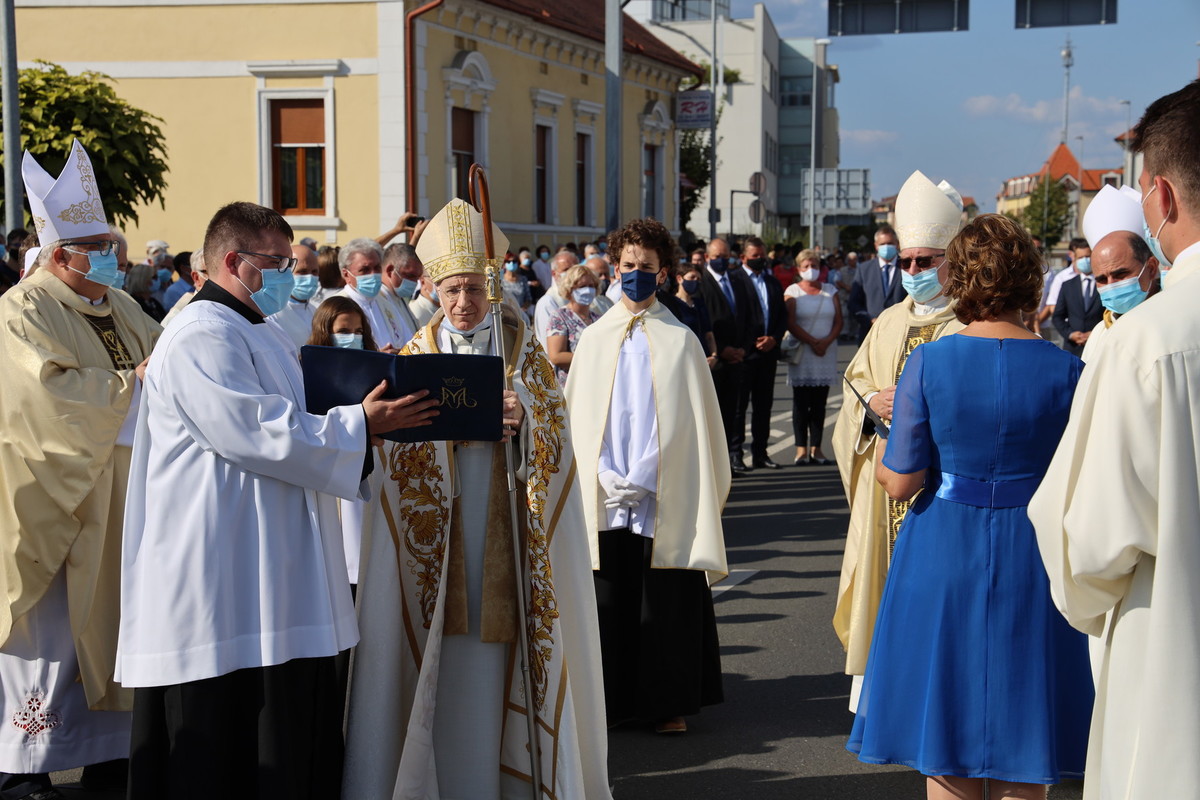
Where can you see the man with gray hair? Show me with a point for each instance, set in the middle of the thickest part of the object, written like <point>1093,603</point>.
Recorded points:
<point>598,264</point>
<point>402,271</point>
<point>553,299</point>
<point>361,261</point>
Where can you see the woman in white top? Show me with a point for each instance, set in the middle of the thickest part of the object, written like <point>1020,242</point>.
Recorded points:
<point>815,318</point>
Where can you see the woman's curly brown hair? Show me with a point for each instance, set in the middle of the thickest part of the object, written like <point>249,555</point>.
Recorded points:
<point>648,233</point>
<point>993,269</point>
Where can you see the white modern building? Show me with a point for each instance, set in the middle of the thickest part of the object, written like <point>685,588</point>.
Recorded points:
<point>778,93</point>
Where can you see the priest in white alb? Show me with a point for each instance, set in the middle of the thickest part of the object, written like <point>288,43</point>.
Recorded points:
<point>437,705</point>
<point>1118,511</point>
<point>654,469</point>
<point>234,595</point>
<point>927,217</point>
<point>361,261</point>
<point>71,349</point>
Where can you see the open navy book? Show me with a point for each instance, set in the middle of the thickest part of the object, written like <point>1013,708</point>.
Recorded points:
<point>469,389</point>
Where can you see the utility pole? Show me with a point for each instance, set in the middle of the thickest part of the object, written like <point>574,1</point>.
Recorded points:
<point>13,207</point>
<point>614,39</point>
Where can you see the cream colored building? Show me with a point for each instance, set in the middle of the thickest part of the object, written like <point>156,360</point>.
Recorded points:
<point>301,106</point>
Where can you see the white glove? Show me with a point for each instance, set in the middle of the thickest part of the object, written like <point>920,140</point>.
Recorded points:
<point>634,494</point>
<point>616,489</point>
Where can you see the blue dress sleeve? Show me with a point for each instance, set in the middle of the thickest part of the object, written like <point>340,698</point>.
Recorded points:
<point>908,444</point>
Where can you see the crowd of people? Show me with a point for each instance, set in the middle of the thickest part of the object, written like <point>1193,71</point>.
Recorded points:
<point>191,556</point>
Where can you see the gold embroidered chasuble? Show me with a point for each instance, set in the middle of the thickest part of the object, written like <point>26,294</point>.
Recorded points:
<point>874,517</point>
<point>416,526</point>
<point>69,379</point>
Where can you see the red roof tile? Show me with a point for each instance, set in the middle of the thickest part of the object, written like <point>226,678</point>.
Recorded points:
<point>586,18</point>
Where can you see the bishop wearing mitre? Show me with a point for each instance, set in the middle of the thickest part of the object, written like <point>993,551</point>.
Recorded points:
<point>72,351</point>
<point>437,705</point>
<point>928,216</point>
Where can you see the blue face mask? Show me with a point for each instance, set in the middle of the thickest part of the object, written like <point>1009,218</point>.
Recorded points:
<point>1121,297</point>
<point>585,295</point>
<point>164,278</point>
<point>348,341</point>
<point>368,285</point>
<point>691,287</point>
<point>1084,265</point>
<point>638,285</point>
<point>922,287</point>
<point>887,252</point>
<point>1164,263</point>
<point>273,295</point>
<point>433,295</point>
<point>407,289</point>
<point>305,286</point>
<point>511,266</point>
<point>101,269</point>
<point>120,281</point>
<point>718,265</point>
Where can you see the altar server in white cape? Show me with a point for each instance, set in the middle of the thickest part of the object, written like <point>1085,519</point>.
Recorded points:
<point>234,595</point>
<point>70,348</point>
<point>436,699</point>
<point>1117,515</point>
<point>655,472</point>
<point>928,216</point>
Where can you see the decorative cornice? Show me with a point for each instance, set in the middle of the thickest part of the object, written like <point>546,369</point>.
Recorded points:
<point>300,68</point>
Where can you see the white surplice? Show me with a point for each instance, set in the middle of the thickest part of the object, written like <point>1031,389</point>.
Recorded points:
<point>295,319</point>
<point>630,444</point>
<point>244,566</point>
<point>1116,520</point>
<point>388,326</point>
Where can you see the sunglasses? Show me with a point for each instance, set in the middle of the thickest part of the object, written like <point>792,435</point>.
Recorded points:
<point>923,262</point>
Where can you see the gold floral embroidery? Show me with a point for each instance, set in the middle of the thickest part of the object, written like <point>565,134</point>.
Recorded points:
<point>39,224</point>
<point>542,462</point>
<point>425,510</point>
<point>90,209</point>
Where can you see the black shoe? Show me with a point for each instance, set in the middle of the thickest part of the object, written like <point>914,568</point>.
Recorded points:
<point>766,463</point>
<point>737,465</point>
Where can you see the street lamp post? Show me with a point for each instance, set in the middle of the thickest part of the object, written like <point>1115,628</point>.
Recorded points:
<point>816,96</point>
<point>1068,60</point>
<point>1077,222</point>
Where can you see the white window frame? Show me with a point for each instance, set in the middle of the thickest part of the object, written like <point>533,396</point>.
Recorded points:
<point>545,112</point>
<point>586,114</point>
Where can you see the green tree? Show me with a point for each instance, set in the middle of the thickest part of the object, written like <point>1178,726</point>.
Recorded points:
<point>125,143</point>
<point>1047,214</point>
<point>694,162</point>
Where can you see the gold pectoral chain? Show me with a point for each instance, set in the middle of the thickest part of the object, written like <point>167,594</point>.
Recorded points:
<point>897,509</point>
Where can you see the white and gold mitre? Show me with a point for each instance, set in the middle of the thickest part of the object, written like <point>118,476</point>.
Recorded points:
<point>927,215</point>
<point>68,207</point>
<point>452,243</point>
<point>1113,210</point>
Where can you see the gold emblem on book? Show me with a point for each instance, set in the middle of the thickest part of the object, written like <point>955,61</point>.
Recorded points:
<point>454,394</point>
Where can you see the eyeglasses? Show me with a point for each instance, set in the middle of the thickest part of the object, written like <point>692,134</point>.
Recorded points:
<point>472,292</point>
<point>104,248</point>
<point>278,263</point>
<point>923,262</point>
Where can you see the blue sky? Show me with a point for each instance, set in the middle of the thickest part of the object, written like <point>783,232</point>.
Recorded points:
<point>979,106</point>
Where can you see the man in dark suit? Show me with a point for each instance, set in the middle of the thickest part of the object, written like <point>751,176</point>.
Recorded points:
<point>727,304</point>
<point>877,284</point>
<point>1078,309</point>
<point>766,316</point>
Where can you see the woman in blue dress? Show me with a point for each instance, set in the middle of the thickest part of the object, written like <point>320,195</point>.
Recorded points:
<point>972,672</point>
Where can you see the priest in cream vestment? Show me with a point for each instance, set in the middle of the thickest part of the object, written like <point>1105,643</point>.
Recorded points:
<point>927,218</point>
<point>1118,512</point>
<point>655,472</point>
<point>70,349</point>
<point>437,706</point>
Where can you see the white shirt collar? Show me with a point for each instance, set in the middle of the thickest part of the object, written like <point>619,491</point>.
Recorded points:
<point>932,307</point>
<point>717,276</point>
<point>92,302</point>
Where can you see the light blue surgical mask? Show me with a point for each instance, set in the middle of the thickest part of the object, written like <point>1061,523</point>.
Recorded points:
<point>1084,265</point>
<point>1164,264</point>
<point>1121,297</point>
<point>102,269</point>
<point>584,295</point>
<point>407,289</point>
<point>348,341</point>
<point>120,281</point>
<point>305,287</point>
<point>276,288</point>
<point>887,252</point>
<point>924,286</point>
<point>511,266</point>
<point>368,285</point>
<point>433,295</point>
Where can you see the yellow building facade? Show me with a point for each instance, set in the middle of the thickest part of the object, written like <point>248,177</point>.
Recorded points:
<point>301,106</point>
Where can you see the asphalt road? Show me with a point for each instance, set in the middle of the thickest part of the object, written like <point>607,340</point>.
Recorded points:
<point>782,729</point>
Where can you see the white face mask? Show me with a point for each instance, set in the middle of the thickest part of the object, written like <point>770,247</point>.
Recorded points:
<point>810,274</point>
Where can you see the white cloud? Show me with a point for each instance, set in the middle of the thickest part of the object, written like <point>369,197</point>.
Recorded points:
<point>1011,105</point>
<point>868,138</point>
